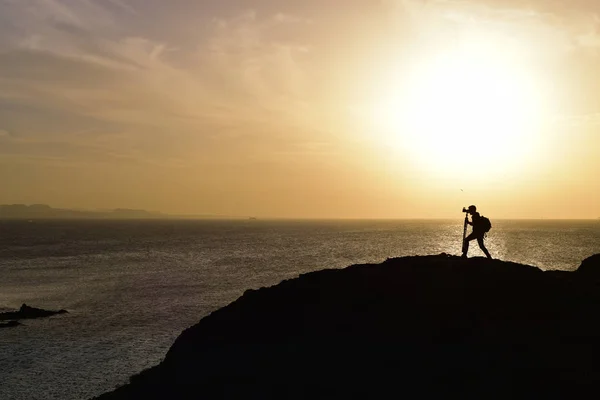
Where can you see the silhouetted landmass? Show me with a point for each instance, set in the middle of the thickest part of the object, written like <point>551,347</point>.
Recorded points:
<point>43,211</point>
<point>414,327</point>
<point>26,312</point>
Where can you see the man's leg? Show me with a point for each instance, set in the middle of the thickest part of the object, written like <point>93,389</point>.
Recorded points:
<point>482,247</point>
<point>465,248</point>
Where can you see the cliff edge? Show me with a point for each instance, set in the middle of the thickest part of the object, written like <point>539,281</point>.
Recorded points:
<point>412,326</point>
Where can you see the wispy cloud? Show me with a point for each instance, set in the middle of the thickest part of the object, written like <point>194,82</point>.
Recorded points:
<point>218,85</point>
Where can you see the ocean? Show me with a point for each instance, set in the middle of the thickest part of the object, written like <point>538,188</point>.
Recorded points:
<point>131,287</point>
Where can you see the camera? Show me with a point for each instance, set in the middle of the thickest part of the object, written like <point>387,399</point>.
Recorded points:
<point>465,210</point>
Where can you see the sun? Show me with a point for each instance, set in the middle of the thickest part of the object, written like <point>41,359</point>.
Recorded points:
<point>470,111</point>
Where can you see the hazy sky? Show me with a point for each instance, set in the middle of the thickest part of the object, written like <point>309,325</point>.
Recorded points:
<point>349,108</point>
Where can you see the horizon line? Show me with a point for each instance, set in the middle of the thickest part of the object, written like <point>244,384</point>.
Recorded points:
<point>167,217</point>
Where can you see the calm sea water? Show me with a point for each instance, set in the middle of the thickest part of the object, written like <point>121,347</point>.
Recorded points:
<point>132,287</point>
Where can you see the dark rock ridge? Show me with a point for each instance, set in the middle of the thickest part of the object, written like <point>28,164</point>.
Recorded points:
<point>590,268</point>
<point>408,327</point>
<point>26,312</point>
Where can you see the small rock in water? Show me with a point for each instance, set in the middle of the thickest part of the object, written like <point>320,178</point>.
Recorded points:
<point>27,312</point>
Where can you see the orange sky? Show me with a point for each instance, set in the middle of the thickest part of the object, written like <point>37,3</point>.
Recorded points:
<point>307,109</point>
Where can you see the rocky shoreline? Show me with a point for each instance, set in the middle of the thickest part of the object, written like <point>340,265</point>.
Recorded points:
<point>413,326</point>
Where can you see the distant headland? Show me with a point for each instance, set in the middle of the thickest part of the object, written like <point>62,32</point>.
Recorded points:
<point>429,326</point>
<point>38,211</point>
<point>44,211</point>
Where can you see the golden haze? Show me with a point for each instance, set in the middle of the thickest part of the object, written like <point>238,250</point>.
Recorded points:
<point>392,109</point>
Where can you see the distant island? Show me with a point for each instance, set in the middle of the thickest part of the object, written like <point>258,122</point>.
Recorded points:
<point>44,211</point>
<point>415,327</point>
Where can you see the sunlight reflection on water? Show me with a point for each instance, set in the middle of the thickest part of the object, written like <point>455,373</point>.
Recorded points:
<point>132,287</point>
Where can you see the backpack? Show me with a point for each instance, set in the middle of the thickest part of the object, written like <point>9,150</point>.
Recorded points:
<point>486,224</point>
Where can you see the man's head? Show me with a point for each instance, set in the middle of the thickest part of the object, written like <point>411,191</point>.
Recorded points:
<point>472,209</point>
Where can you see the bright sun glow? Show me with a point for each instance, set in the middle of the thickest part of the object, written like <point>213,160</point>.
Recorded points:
<point>469,111</point>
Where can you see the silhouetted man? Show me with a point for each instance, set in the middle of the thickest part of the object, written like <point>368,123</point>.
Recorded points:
<point>478,233</point>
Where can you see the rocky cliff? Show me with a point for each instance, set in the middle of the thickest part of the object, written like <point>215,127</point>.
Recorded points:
<point>412,327</point>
